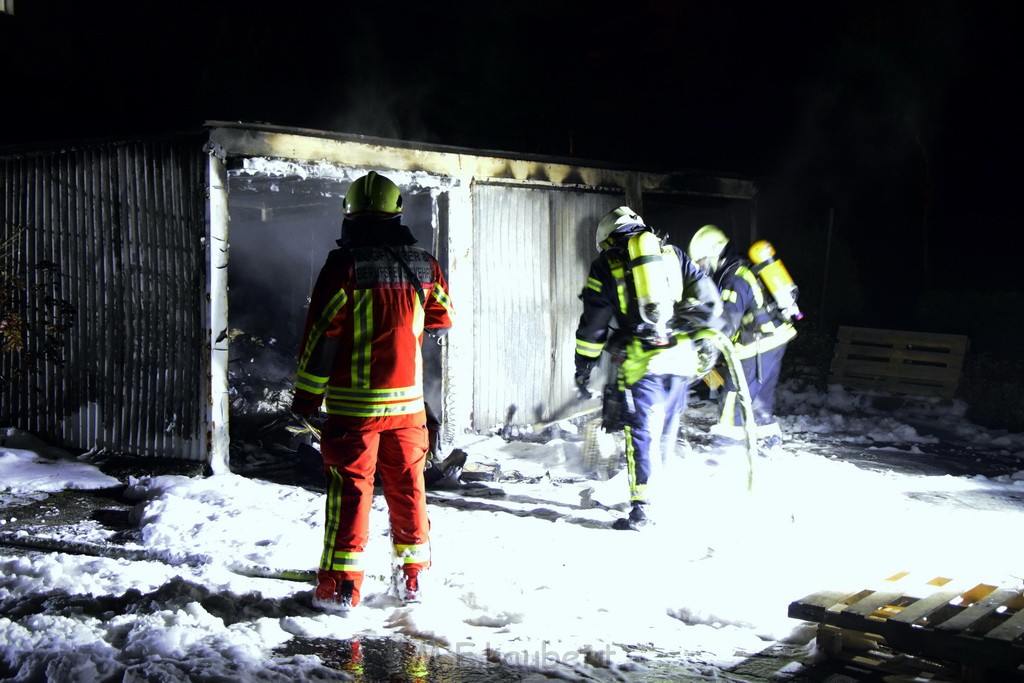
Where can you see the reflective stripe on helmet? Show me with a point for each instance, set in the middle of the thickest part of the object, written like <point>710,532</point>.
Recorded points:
<point>373,195</point>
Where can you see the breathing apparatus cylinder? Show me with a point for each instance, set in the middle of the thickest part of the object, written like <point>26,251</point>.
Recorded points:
<point>653,281</point>
<point>776,278</point>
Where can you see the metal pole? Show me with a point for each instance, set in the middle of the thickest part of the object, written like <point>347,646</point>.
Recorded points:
<point>217,293</point>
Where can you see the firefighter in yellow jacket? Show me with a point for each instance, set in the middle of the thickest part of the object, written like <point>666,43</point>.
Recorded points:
<point>760,325</point>
<point>642,300</point>
<point>361,359</point>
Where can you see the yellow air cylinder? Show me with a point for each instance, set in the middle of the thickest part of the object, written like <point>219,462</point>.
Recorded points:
<point>775,277</point>
<point>651,278</point>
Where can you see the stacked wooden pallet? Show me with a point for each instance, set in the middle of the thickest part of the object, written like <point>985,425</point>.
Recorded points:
<point>978,627</point>
<point>913,363</point>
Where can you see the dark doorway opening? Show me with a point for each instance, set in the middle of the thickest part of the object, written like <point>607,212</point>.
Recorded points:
<point>281,230</point>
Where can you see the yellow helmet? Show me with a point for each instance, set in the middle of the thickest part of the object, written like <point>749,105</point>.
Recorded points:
<point>373,195</point>
<point>615,220</point>
<point>706,248</point>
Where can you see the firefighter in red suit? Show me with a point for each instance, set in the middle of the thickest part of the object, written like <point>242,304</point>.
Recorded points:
<point>361,359</point>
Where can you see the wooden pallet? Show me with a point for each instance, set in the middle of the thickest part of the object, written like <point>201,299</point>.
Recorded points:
<point>977,627</point>
<point>913,363</point>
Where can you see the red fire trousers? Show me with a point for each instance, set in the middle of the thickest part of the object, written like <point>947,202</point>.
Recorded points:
<point>351,459</point>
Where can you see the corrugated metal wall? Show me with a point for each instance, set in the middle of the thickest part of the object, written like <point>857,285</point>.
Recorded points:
<point>124,225</point>
<point>533,249</point>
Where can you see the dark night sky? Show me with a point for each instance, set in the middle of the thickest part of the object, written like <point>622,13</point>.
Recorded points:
<point>899,116</point>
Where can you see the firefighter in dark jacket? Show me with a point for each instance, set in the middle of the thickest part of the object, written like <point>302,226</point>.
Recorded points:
<point>642,300</point>
<point>361,359</point>
<point>760,331</point>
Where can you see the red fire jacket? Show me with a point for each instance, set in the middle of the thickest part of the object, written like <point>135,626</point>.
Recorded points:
<point>360,353</point>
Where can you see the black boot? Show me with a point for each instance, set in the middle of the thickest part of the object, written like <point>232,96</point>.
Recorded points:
<point>638,515</point>
<point>637,518</point>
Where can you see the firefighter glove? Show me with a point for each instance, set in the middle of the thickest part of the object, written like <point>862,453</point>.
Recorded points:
<point>707,356</point>
<point>306,405</point>
<point>583,379</point>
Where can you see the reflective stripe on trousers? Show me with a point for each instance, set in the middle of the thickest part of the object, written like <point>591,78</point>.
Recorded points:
<point>351,459</point>
<point>653,427</point>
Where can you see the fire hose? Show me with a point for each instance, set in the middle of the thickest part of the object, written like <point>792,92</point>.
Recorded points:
<point>739,379</point>
<point>308,425</point>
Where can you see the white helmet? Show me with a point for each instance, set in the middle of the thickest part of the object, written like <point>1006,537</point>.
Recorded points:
<point>616,220</point>
<point>706,248</point>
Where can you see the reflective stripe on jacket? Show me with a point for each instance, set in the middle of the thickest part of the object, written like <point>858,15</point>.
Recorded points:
<point>610,308</point>
<point>753,327</point>
<point>361,351</point>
